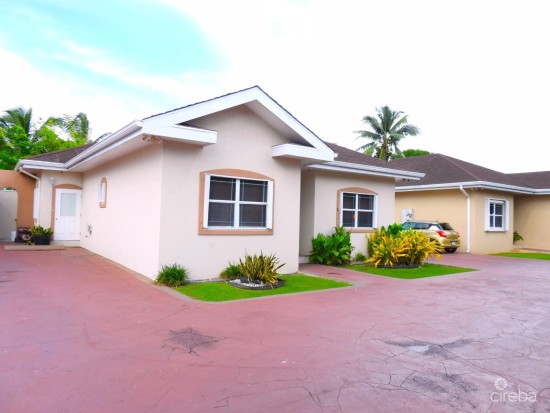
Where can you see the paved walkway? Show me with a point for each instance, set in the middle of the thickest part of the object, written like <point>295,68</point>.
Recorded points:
<point>79,334</point>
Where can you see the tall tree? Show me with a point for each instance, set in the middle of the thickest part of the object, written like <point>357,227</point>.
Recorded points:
<point>20,137</point>
<point>388,127</point>
<point>17,117</point>
<point>77,127</point>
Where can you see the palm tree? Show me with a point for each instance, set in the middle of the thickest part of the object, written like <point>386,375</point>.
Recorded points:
<point>17,117</point>
<point>77,127</point>
<point>388,128</point>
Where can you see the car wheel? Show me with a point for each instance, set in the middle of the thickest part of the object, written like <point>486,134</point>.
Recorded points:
<point>450,250</point>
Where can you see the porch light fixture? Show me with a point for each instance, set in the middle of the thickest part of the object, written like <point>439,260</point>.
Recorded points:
<point>52,181</point>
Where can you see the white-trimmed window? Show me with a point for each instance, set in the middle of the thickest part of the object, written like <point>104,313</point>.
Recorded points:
<point>237,203</point>
<point>496,215</point>
<point>358,210</point>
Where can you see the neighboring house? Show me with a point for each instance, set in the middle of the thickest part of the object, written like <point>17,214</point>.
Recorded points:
<point>484,205</point>
<point>205,183</point>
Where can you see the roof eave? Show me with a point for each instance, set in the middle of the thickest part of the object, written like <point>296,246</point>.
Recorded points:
<point>466,185</point>
<point>367,170</point>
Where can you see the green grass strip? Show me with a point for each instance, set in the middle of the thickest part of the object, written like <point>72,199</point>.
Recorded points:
<point>427,270</point>
<point>223,291</point>
<point>528,255</point>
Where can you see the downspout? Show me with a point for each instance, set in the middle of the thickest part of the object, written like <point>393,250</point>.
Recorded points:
<point>468,217</point>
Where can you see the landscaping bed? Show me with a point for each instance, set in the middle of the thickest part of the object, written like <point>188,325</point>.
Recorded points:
<point>224,291</point>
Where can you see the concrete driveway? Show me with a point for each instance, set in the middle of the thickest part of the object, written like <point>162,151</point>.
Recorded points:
<point>79,334</point>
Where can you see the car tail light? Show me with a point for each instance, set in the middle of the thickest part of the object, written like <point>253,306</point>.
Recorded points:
<point>442,233</point>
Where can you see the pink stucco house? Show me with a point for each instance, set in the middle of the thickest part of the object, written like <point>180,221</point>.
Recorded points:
<point>202,184</point>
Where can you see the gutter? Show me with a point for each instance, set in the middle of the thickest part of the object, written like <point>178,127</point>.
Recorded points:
<point>468,217</point>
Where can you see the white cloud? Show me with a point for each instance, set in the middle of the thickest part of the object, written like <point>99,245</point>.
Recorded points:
<point>472,75</point>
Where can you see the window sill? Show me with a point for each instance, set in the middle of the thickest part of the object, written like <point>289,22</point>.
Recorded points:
<point>213,231</point>
<point>360,230</point>
<point>496,230</point>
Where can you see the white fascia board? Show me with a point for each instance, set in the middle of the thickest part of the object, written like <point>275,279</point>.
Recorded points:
<point>201,109</point>
<point>31,164</point>
<point>293,123</point>
<point>180,133</point>
<point>472,184</point>
<point>122,135</point>
<point>367,170</point>
<point>289,150</point>
<point>243,97</point>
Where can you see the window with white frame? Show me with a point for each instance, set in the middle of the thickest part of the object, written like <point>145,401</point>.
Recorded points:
<point>237,203</point>
<point>357,210</point>
<point>496,215</point>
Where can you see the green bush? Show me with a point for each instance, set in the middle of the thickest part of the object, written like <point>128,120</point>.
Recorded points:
<point>173,275</point>
<point>360,257</point>
<point>41,231</point>
<point>262,268</point>
<point>394,246</point>
<point>332,249</point>
<point>231,272</point>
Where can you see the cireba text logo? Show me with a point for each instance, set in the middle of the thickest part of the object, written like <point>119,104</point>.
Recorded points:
<point>511,396</point>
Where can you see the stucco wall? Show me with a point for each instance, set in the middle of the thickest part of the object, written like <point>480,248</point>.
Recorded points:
<point>532,218</point>
<point>307,212</point>
<point>451,206</point>
<point>24,186</point>
<point>487,242</point>
<point>127,229</point>
<point>443,206</point>
<point>244,142</point>
<point>325,186</point>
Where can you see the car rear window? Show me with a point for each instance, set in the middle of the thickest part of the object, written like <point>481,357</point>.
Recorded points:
<point>445,227</point>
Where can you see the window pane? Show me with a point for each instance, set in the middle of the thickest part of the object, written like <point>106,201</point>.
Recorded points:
<point>349,201</point>
<point>252,215</point>
<point>366,202</point>
<point>348,218</point>
<point>220,214</point>
<point>491,208</point>
<point>365,220</point>
<point>254,191</point>
<point>498,222</point>
<point>498,209</point>
<point>222,188</point>
<point>68,205</point>
<point>491,221</point>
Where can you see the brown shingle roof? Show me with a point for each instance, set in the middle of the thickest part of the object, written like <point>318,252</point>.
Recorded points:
<point>61,156</point>
<point>443,169</point>
<point>537,180</point>
<point>351,156</point>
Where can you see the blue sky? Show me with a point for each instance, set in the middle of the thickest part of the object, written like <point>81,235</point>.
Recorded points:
<point>472,75</point>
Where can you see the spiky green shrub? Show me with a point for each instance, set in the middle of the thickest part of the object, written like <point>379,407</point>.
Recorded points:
<point>393,246</point>
<point>262,268</point>
<point>231,272</point>
<point>388,250</point>
<point>173,275</point>
<point>332,249</point>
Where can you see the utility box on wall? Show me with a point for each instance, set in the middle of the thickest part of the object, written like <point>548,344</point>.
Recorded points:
<point>407,215</point>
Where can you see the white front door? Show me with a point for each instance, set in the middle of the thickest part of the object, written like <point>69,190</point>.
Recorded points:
<point>67,214</point>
